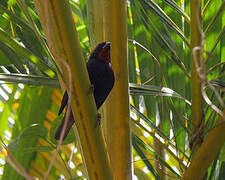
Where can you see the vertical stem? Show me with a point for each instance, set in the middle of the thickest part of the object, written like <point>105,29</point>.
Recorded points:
<point>95,21</point>
<point>62,38</point>
<point>197,112</point>
<point>120,142</point>
<point>205,155</point>
<point>108,107</point>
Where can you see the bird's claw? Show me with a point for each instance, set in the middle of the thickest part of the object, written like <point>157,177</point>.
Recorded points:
<point>91,89</point>
<point>98,122</point>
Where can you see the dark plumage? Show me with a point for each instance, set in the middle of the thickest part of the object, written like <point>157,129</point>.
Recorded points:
<point>101,77</point>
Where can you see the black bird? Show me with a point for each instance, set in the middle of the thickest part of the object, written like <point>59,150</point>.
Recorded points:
<point>101,77</point>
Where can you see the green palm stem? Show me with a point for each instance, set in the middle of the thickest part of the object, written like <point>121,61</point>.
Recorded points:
<point>197,110</point>
<point>95,21</point>
<point>120,135</point>
<point>205,155</point>
<point>62,37</point>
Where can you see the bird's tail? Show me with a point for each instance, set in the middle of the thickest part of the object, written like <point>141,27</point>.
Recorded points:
<point>68,127</point>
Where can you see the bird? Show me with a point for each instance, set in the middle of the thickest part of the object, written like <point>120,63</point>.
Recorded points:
<point>102,79</point>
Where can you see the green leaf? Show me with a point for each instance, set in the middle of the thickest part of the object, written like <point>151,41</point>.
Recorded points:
<point>144,158</point>
<point>152,90</point>
<point>22,142</point>
<point>29,79</point>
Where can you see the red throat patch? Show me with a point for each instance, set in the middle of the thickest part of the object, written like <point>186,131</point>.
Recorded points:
<point>104,55</point>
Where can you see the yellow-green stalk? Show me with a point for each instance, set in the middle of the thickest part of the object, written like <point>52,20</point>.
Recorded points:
<point>207,152</point>
<point>62,37</point>
<point>197,112</point>
<point>119,139</point>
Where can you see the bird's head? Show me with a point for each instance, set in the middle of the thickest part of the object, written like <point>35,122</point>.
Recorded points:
<point>102,52</point>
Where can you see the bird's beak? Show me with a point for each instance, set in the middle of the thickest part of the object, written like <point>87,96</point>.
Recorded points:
<point>107,44</point>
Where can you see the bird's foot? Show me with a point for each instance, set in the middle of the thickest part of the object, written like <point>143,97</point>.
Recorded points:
<point>91,89</point>
<point>98,122</point>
